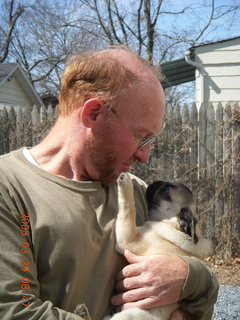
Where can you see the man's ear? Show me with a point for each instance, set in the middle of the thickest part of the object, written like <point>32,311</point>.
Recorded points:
<point>91,111</point>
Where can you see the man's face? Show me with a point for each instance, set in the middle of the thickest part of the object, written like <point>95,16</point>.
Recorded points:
<point>103,159</point>
<point>114,149</point>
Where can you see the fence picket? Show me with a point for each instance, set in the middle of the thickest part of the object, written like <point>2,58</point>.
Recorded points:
<point>202,139</point>
<point>227,170</point>
<point>193,175</point>
<point>50,112</point>
<point>177,170</point>
<point>12,129</point>
<point>186,133</point>
<point>35,116</point>
<point>202,173</point>
<point>236,178</point>
<point>219,203</point>
<point>167,150</point>
<point>43,113</point>
<point>20,127</point>
<point>210,170</point>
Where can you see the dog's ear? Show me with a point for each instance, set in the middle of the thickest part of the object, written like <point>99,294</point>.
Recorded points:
<point>187,223</point>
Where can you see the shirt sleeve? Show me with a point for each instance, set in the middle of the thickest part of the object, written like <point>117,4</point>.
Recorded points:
<point>200,290</point>
<point>19,286</point>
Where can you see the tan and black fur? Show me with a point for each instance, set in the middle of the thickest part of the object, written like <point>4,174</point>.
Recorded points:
<point>172,229</point>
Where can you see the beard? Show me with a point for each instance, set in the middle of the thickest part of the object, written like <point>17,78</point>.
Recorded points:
<point>102,159</point>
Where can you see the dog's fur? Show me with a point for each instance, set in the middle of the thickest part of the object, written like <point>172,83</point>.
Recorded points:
<point>172,230</point>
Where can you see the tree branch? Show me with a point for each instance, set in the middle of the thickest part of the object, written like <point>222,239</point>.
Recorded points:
<point>157,12</point>
<point>121,22</point>
<point>111,21</point>
<point>150,29</point>
<point>208,23</point>
<point>107,32</point>
<point>12,20</point>
<point>47,74</point>
<point>139,27</point>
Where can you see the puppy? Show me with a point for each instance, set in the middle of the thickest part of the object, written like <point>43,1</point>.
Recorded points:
<point>173,230</point>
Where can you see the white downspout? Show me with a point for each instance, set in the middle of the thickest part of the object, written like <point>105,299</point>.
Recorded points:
<point>202,74</point>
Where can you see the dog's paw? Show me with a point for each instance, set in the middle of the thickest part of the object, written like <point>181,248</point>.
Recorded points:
<point>125,184</point>
<point>124,178</point>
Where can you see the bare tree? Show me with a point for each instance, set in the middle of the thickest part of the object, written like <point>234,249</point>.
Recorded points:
<point>142,24</point>
<point>45,33</point>
<point>44,40</point>
<point>10,16</point>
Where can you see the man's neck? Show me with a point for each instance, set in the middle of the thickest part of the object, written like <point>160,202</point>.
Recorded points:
<point>54,154</point>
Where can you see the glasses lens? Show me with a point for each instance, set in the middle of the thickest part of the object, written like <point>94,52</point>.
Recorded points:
<point>146,141</point>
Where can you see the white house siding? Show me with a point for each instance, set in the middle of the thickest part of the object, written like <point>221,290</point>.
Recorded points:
<point>221,62</point>
<point>12,93</point>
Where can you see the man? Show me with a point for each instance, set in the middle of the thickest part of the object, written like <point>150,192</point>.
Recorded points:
<point>59,202</point>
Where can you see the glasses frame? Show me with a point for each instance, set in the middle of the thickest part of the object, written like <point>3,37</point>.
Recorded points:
<point>145,141</point>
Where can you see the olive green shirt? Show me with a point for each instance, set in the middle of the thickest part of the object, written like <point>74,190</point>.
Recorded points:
<point>57,246</point>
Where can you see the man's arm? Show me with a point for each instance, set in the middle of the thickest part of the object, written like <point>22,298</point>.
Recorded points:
<point>149,282</point>
<point>200,290</point>
<point>19,286</point>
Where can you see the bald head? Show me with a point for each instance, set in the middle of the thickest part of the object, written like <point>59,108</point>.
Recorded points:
<point>102,74</point>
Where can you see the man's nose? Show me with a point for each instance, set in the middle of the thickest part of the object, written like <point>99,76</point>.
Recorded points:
<point>142,155</point>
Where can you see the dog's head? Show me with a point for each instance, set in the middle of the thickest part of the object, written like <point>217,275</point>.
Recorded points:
<point>168,200</point>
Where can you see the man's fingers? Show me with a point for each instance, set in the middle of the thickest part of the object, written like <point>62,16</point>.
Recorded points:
<point>130,296</point>
<point>150,282</point>
<point>127,284</point>
<point>130,270</point>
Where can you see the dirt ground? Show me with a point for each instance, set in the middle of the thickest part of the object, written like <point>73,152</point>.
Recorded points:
<point>227,272</point>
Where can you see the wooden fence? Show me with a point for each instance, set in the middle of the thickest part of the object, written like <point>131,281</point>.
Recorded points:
<point>200,148</point>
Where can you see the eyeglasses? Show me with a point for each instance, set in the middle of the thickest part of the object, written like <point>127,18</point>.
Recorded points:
<point>145,141</point>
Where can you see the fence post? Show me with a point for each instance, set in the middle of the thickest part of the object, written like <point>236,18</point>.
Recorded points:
<point>12,129</point>
<point>194,151</point>
<point>236,178</point>
<point>202,166</point>
<point>202,139</point>
<point>177,142</point>
<point>219,203</point>
<point>210,170</point>
<point>56,111</point>
<point>5,131</point>
<point>35,124</point>
<point>186,142</point>
<point>226,234</point>
<point>163,154</point>
<point>19,127</point>
<point>168,147</point>
<point>43,114</point>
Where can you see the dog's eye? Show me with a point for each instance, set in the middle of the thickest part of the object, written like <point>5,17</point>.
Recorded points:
<point>165,189</point>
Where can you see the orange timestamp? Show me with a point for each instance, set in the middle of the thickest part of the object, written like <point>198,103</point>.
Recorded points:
<point>25,263</point>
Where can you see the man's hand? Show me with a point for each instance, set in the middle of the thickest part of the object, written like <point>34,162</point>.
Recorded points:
<point>150,281</point>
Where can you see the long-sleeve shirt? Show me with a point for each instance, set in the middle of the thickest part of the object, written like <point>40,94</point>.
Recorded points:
<point>57,246</point>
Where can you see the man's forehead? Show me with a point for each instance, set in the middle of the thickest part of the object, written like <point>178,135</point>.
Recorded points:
<point>153,108</point>
<point>128,59</point>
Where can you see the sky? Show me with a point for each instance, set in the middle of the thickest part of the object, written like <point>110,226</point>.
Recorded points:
<point>202,14</point>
